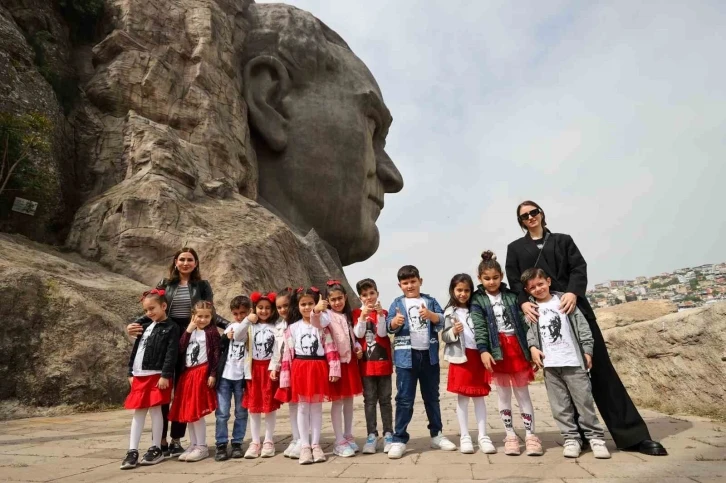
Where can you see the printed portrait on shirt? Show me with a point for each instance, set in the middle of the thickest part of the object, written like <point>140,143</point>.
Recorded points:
<point>238,351</point>
<point>552,324</point>
<point>309,344</point>
<point>264,341</point>
<point>373,352</point>
<point>416,323</point>
<point>193,353</point>
<point>503,320</point>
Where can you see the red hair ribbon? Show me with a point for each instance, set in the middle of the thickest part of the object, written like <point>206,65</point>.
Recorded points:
<point>300,289</point>
<point>257,296</point>
<point>313,289</point>
<point>330,283</point>
<point>156,291</point>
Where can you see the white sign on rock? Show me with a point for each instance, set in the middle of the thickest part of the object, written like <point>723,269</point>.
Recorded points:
<point>21,205</point>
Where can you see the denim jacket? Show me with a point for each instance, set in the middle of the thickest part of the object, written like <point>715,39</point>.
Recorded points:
<point>402,335</point>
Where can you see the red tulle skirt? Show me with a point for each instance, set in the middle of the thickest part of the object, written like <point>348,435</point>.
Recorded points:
<point>470,378</point>
<point>514,370</point>
<point>193,399</point>
<point>260,392</point>
<point>144,393</point>
<point>309,380</point>
<point>349,384</point>
<point>283,394</point>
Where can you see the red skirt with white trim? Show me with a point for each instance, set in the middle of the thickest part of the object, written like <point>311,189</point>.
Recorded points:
<point>193,399</point>
<point>469,378</point>
<point>349,384</point>
<point>144,393</point>
<point>260,392</point>
<point>514,370</point>
<point>309,380</point>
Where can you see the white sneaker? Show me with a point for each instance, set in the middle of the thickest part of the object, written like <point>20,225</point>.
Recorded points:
<point>396,450</point>
<point>295,450</point>
<point>289,448</point>
<point>571,449</point>
<point>465,445</point>
<point>387,442</point>
<point>268,449</point>
<point>197,454</point>
<point>442,442</point>
<point>371,444</point>
<point>186,453</point>
<point>599,450</point>
<point>343,450</point>
<point>486,446</point>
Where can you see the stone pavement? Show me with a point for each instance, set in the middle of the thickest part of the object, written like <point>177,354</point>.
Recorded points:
<point>89,448</point>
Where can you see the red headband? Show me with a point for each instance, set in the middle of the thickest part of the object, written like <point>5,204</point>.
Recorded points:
<point>330,283</point>
<point>257,296</point>
<point>314,289</point>
<point>156,291</point>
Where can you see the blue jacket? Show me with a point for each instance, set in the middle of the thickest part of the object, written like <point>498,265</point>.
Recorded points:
<point>402,335</point>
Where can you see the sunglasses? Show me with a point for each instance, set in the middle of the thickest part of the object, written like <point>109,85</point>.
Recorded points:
<point>531,214</point>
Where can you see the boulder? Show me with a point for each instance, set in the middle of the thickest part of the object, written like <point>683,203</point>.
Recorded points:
<point>63,340</point>
<point>628,313</point>
<point>675,363</point>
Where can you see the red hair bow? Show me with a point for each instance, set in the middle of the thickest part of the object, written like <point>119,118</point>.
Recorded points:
<point>330,283</point>
<point>257,296</point>
<point>314,289</point>
<point>156,291</point>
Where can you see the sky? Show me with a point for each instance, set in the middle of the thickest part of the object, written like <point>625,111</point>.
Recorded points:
<point>611,115</point>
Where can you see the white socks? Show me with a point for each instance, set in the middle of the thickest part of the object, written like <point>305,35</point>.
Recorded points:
<point>480,411</point>
<point>137,426</point>
<point>525,407</point>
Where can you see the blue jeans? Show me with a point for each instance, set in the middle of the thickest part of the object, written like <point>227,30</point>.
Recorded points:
<point>225,390</point>
<point>428,375</point>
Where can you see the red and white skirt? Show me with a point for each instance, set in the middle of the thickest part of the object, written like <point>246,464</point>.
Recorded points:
<point>309,380</point>
<point>470,378</point>
<point>193,399</point>
<point>349,384</point>
<point>260,392</point>
<point>144,393</point>
<point>514,370</point>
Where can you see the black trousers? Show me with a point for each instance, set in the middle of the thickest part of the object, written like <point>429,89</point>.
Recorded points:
<point>617,409</point>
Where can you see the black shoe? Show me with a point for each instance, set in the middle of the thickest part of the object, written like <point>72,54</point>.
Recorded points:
<point>165,450</point>
<point>221,454</point>
<point>153,456</point>
<point>650,448</point>
<point>237,450</point>
<point>131,460</point>
<point>175,449</point>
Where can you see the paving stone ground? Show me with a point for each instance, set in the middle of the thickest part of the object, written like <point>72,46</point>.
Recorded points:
<point>89,448</point>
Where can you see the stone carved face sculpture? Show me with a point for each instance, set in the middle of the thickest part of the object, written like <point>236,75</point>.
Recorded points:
<point>319,126</point>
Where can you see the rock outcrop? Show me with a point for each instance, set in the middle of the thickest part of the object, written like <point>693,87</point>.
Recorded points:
<point>64,319</point>
<point>631,312</point>
<point>675,363</point>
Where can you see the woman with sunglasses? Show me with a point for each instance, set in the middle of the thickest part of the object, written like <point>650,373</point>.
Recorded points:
<point>559,257</point>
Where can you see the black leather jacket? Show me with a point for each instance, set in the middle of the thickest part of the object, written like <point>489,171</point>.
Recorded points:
<point>198,290</point>
<point>162,348</point>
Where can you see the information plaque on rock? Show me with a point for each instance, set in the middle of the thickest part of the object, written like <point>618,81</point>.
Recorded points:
<point>21,205</point>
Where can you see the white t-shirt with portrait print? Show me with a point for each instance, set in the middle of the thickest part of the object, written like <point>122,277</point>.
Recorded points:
<point>197,349</point>
<point>462,315</point>
<point>419,328</point>
<point>504,324</point>
<point>558,344</point>
<point>137,368</point>
<point>263,339</point>
<point>234,368</point>
<point>307,340</point>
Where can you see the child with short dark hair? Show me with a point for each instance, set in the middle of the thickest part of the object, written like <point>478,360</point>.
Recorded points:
<point>232,372</point>
<point>375,365</point>
<point>416,319</point>
<point>562,345</point>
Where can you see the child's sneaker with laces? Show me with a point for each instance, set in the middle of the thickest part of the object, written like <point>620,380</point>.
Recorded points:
<point>295,451</point>
<point>465,444</point>
<point>290,446</point>
<point>153,456</point>
<point>343,449</point>
<point>387,442</point>
<point>318,455</point>
<point>533,446</point>
<point>253,451</point>
<point>371,444</point>
<point>198,453</point>
<point>183,456</point>
<point>131,460</point>
<point>442,442</point>
<point>175,449</point>
<point>306,456</point>
<point>571,449</point>
<point>511,445</point>
<point>486,446</point>
<point>351,442</point>
<point>599,450</point>
<point>396,451</point>
<point>268,449</point>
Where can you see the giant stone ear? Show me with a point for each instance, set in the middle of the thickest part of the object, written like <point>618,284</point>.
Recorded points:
<point>266,83</point>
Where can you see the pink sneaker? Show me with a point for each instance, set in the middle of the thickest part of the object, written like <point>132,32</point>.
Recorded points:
<point>511,445</point>
<point>533,445</point>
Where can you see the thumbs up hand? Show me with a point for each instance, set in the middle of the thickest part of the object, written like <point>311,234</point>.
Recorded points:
<point>398,320</point>
<point>424,312</point>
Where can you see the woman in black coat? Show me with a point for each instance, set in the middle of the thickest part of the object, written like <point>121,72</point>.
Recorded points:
<point>559,257</point>
<point>183,289</point>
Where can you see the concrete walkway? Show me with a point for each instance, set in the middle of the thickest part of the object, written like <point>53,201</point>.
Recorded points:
<point>89,448</point>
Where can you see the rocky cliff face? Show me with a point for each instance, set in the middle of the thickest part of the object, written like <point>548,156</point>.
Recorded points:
<point>675,363</point>
<point>632,312</point>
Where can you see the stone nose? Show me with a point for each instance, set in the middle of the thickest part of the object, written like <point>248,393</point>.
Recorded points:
<point>387,172</point>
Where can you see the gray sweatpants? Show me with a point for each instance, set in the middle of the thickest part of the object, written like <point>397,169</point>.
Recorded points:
<point>568,388</point>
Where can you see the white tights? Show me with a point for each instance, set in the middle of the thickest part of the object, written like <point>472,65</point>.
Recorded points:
<point>480,411</point>
<point>198,432</point>
<point>293,421</point>
<point>341,413</point>
<point>137,426</point>
<point>525,408</point>
<point>310,417</point>
<point>256,424</point>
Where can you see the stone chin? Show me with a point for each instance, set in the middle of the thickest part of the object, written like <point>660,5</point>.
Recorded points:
<point>361,248</point>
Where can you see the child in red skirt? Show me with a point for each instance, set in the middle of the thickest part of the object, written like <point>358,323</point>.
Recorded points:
<point>195,395</point>
<point>467,375</point>
<point>501,338</point>
<point>339,321</point>
<point>151,370</point>
<point>310,362</point>
<point>258,330</point>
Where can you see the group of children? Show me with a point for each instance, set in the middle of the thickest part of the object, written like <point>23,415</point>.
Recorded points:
<point>303,347</point>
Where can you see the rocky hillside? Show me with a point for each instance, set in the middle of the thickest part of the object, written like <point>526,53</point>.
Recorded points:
<point>632,312</point>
